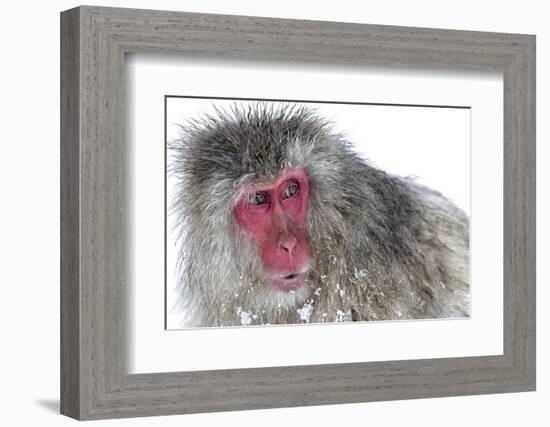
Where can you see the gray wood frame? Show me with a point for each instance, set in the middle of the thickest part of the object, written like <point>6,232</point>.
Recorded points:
<point>94,41</point>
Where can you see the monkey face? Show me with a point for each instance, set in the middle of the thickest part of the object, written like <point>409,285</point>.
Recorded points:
<point>273,213</point>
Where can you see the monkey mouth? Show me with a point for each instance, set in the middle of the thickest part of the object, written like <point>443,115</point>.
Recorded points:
<point>289,282</point>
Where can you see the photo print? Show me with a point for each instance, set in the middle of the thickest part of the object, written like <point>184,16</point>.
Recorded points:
<point>294,212</point>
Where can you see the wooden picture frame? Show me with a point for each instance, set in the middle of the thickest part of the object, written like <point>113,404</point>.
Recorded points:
<point>94,41</point>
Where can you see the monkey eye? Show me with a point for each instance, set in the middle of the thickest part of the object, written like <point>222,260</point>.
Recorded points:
<point>290,191</point>
<point>258,198</point>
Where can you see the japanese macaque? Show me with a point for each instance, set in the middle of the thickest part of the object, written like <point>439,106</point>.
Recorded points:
<point>279,221</point>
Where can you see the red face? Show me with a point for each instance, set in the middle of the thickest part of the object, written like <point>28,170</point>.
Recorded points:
<point>273,213</point>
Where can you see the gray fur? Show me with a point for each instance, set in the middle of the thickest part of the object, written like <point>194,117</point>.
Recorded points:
<point>383,247</point>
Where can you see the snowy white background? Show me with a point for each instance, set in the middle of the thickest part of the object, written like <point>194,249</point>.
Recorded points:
<point>29,220</point>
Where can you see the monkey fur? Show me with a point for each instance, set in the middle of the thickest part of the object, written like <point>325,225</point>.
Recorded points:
<point>382,247</point>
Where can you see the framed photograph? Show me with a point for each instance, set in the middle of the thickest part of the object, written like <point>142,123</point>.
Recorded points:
<point>261,213</point>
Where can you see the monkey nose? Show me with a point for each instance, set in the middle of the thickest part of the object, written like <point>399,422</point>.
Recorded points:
<point>287,244</point>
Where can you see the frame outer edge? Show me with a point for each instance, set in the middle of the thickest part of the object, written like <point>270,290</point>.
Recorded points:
<point>70,396</point>
<point>529,234</point>
<point>532,136</point>
<point>520,216</point>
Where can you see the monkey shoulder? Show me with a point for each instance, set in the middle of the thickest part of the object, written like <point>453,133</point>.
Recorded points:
<point>416,253</point>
